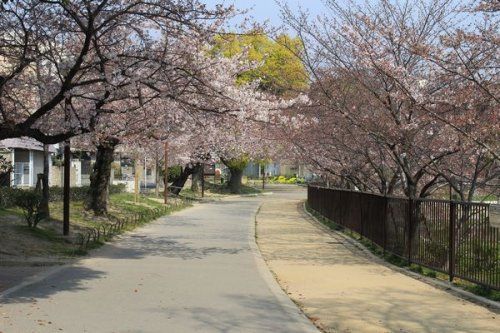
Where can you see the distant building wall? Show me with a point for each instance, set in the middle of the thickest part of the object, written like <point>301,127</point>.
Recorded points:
<point>57,176</point>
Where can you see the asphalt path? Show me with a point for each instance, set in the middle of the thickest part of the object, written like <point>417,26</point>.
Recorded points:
<point>197,270</point>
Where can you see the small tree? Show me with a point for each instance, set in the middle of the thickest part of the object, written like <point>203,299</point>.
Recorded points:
<point>29,201</point>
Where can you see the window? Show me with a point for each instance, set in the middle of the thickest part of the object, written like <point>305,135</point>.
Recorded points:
<point>21,174</point>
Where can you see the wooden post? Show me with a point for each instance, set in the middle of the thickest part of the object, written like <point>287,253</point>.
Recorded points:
<point>165,192</point>
<point>145,174</point>
<point>157,179</point>
<point>66,191</point>
<point>137,179</point>
<point>202,180</point>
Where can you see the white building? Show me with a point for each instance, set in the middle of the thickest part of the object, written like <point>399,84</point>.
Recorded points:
<point>26,157</point>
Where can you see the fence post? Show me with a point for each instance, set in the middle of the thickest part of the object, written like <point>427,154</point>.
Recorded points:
<point>451,253</point>
<point>386,203</point>
<point>410,227</point>
<point>361,222</point>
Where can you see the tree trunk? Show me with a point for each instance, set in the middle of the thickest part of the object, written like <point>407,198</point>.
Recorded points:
<point>196,178</point>
<point>44,204</point>
<point>179,182</point>
<point>101,174</point>
<point>234,184</point>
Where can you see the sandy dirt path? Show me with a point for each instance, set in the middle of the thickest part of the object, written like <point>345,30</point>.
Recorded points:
<point>342,290</point>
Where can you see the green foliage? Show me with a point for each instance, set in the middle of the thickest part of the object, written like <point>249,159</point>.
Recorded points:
<point>431,274</point>
<point>29,201</point>
<point>174,172</point>
<point>8,197</point>
<point>435,250</point>
<point>280,71</point>
<point>224,189</point>
<point>478,257</point>
<point>484,291</point>
<point>416,268</point>
<point>81,193</point>
<point>285,180</point>
<point>237,163</point>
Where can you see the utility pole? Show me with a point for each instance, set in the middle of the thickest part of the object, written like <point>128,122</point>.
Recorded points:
<point>165,193</point>
<point>66,191</point>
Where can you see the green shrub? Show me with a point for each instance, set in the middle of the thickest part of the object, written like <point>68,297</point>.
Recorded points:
<point>81,193</point>
<point>76,193</point>
<point>431,274</point>
<point>29,201</point>
<point>417,269</point>
<point>117,189</point>
<point>281,179</point>
<point>174,172</point>
<point>477,257</point>
<point>8,197</point>
<point>285,180</point>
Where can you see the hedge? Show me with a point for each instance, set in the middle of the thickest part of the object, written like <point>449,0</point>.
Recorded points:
<point>81,193</point>
<point>8,194</point>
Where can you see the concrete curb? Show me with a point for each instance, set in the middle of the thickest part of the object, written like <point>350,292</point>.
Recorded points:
<point>442,285</point>
<point>286,303</point>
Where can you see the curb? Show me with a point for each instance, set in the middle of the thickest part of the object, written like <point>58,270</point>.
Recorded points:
<point>445,286</point>
<point>288,306</point>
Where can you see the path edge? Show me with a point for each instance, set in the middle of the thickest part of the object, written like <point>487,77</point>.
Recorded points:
<point>290,308</point>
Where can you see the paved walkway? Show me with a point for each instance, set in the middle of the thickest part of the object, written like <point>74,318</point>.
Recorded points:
<point>195,271</point>
<point>342,290</point>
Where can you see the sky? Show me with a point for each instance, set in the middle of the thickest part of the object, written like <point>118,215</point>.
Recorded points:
<point>268,10</point>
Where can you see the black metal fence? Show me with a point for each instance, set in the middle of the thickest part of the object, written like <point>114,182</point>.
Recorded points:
<point>448,236</point>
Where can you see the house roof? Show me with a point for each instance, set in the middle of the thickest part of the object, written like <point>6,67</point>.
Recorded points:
<point>25,143</point>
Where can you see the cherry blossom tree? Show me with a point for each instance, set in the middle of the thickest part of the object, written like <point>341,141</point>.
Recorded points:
<point>392,93</point>
<point>93,55</point>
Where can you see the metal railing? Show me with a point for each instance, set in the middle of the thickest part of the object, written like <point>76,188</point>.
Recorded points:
<point>453,237</point>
